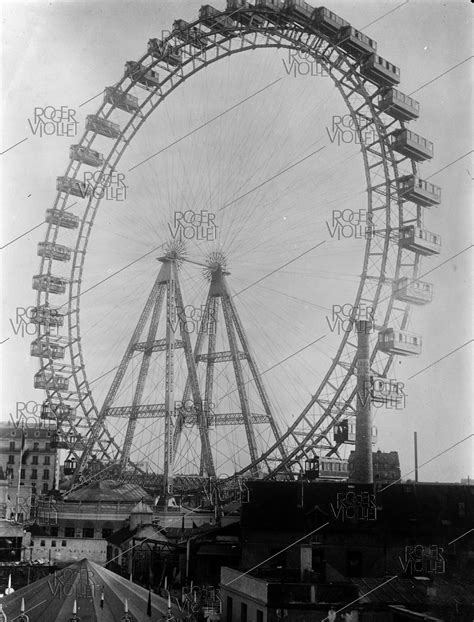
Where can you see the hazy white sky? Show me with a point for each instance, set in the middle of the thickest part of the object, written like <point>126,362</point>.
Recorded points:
<point>64,53</point>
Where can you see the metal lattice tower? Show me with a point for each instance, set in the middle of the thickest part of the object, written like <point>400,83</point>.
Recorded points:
<point>220,299</point>
<point>166,293</point>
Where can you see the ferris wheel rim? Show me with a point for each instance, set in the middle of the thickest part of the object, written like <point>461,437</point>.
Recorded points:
<point>81,253</point>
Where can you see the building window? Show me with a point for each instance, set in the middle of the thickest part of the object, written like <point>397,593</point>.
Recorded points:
<point>259,615</point>
<point>46,474</point>
<point>243,612</point>
<point>11,459</point>
<point>34,460</point>
<point>53,543</point>
<point>45,487</point>
<point>69,532</point>
<point>88,532</point>
<point>12,445</point>
<point>47,446</point>
<point>47,460</point>
<point>34,473</point>
<point>36,446</point>
<point>54,531</point>
<point>64,543</point>
<point>22,474</point>
<point>229,609</point>
<point>43,543</point>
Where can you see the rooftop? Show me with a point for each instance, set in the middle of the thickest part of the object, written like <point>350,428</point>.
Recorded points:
<point>109,490</point>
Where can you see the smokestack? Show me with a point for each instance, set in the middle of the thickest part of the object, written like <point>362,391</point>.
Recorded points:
<point>362,466</point>
<point>415,438</point>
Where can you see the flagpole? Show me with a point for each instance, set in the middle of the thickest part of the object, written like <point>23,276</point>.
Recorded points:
<point>22,445</point>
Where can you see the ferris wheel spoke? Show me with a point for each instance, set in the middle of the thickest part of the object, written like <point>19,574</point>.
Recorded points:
<point>225,368</point>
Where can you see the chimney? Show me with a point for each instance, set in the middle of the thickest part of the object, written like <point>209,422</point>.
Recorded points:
<point>306,561</point>
<point>363,468</point>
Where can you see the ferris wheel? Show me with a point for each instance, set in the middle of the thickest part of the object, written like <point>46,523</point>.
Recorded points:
<point>206,352</point>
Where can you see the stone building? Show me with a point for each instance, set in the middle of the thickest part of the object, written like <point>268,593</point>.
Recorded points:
<point>28,455</point>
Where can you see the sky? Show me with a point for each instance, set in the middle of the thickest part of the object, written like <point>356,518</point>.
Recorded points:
<point>64,53</point>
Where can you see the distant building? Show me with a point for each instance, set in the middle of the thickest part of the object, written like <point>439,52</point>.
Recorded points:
<point>11,537</point>
<point>263,595</point>
<point>38,464</point>
<point>386,465</point>
<point>97,510</point>
<point>138,548</point>
<point>407,550</point>
<point>78,526</point>
<point>58,551</point>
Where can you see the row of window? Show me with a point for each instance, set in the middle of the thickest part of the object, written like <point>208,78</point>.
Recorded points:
<point>33,485</point>
<point>405,99</point>
<point>72,532</point>
<point>364,38</point>
<point>410,232</point>
<point>378,60</point>
<point>333,466</point>
<point>421,286</point>
<point>53,543</point>
<point>34,473</point>
<point>243,612</point>
<point>416,182</point>
<point>385,475</point>
<point>408,339</point>
<point>34,460</point>
<point>332,16</point>
<point>36,446</point>
<point>390,336</point>
<point>416,138</point>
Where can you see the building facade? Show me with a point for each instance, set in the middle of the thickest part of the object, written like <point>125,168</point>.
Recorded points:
<point>29,461</point>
